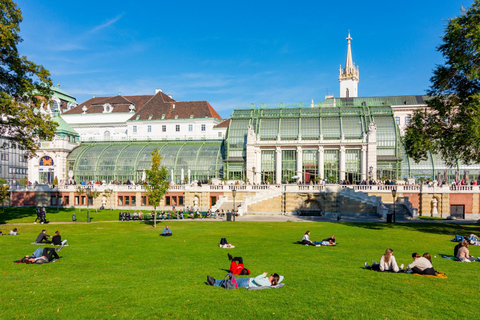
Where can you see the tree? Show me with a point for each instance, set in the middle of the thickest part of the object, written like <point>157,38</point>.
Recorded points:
<point>450,126</point>
<point>108,194</point>
<point>157,182</point>
<point>24,86</point>
<point>4,193</point>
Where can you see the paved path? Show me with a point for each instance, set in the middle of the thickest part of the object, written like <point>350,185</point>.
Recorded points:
<point>287,218</point>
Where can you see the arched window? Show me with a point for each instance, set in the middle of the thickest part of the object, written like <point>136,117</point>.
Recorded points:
<point>106,136</point>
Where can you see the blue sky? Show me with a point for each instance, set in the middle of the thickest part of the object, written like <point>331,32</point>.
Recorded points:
<point>235,53</point>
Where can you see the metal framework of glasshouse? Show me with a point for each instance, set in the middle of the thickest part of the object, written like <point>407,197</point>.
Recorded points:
<point>122,161</point>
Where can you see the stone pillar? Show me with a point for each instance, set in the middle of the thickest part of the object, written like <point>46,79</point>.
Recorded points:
<point>341,159</point>
<point>257,175</point>
<point>278,165</point>
<point>372,149</point>
<point>363,164</point>
<point>321,162</point>
<point>299,163</point>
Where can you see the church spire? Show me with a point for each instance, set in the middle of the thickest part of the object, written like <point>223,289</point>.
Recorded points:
<point>349,76</point>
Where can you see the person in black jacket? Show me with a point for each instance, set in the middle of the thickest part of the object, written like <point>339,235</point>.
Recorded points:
<point>57,239</point>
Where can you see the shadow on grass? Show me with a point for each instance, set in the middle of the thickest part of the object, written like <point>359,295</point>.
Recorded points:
<point>450,229</point>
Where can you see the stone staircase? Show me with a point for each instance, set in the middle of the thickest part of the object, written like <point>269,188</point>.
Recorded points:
<point>356,203</point>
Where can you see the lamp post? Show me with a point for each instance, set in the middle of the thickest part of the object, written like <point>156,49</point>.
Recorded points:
<point>88,192</point>
<point>394,194</point>
<point>234,194</point>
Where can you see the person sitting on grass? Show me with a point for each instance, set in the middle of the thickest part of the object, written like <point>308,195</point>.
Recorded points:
<point>166,232</point>
<point>387,263</point>
<point>421,265</point>
<point>463,253</point>
<point>43,237</point>
<point>13,232</point>
<point>57,239</point>
<point>262,280</point>
<point>306,239</point>
<point>237,266</point>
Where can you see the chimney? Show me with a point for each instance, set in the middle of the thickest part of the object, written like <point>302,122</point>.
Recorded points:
<point>170,96</point>
<point>158,90</point>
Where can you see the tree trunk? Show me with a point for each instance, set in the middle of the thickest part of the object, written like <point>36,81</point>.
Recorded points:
<point>154,217</point>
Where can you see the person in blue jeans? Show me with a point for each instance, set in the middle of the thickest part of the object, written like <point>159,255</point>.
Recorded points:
<point>262,280</point>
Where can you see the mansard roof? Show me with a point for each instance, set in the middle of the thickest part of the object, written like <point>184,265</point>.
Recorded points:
<point>119,104</point>
<point>149,107</point>
<point>159,108</point>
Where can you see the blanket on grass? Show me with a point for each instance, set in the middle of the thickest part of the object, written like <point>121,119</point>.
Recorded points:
<point>51,244</point>
<point>439,275</point>
<point>318,244</point>
<point>266,287</point>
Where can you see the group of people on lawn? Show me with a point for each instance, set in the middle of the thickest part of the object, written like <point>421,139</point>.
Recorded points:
<point>44,255</point>
<point>388,263</point>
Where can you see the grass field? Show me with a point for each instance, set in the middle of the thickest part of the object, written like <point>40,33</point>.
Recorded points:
<point>125,270</point>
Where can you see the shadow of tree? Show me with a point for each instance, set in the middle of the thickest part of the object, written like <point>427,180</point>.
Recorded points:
<point>443,228</point>
<point>11,213</point>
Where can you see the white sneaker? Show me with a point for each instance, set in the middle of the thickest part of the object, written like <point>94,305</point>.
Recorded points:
<point>307,245</point>
<point>401,266</point>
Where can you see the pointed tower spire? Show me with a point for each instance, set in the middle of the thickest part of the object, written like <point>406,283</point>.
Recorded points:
<point>349,76</point>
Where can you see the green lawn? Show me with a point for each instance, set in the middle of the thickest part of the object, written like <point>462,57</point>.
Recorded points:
<point>125,270</point>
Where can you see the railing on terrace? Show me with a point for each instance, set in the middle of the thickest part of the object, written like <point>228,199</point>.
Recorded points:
<point>247,188</point>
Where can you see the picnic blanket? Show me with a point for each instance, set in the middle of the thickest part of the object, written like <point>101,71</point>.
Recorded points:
<point>444,256</point>
<point>266,287</point>
<point>318,244</point>
<point>51,244</point>
<point>440,275</point>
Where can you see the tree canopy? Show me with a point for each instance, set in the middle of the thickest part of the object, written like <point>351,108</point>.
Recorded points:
<point>157,182</point>
<point>450,126</point>
<point>24,86</point>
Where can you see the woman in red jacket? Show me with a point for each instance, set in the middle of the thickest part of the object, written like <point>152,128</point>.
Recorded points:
<point>237,267</point>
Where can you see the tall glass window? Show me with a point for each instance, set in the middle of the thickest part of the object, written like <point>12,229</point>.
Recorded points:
<point>331,165</point>
<point>268,166</point>
<point>352,166</point>
<point>204,127</point>
<point>310,166</point>
<point>149,129</point>
<point>289,165</point>
<point>190,127</point>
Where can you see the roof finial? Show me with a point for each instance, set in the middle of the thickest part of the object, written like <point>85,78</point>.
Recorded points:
<point>119,92</point>
<point>58,84</point>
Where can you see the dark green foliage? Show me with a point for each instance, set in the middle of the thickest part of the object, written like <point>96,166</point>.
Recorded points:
<point>451,124</point>
<point>24,86</point>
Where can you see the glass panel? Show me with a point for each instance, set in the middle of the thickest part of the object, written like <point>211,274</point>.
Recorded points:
<point>289,165</point>
<point>106,164</point>
<point>268,166</point>
<point>269,129</point>
<point>331,128</point>
<point>310,128</point>
<point>331,165</point>
<point>352,127</point>
<point>125,169</point>
<point>289,128</point>
<point>310,166</point>
<point>352,166</point>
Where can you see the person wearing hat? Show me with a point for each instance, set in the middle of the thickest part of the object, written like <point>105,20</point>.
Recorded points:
<point>237,266</point>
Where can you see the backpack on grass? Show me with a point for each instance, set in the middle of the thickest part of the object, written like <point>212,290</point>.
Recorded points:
<point>229,282</point>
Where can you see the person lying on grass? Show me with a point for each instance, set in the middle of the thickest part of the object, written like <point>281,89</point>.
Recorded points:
<point>237,266</point>
<point>421,265</point>
<point>325,242</point>
<point>46,255</point>
<point>387,263</point>
<point>260,281</point>
<point>463,253</point>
